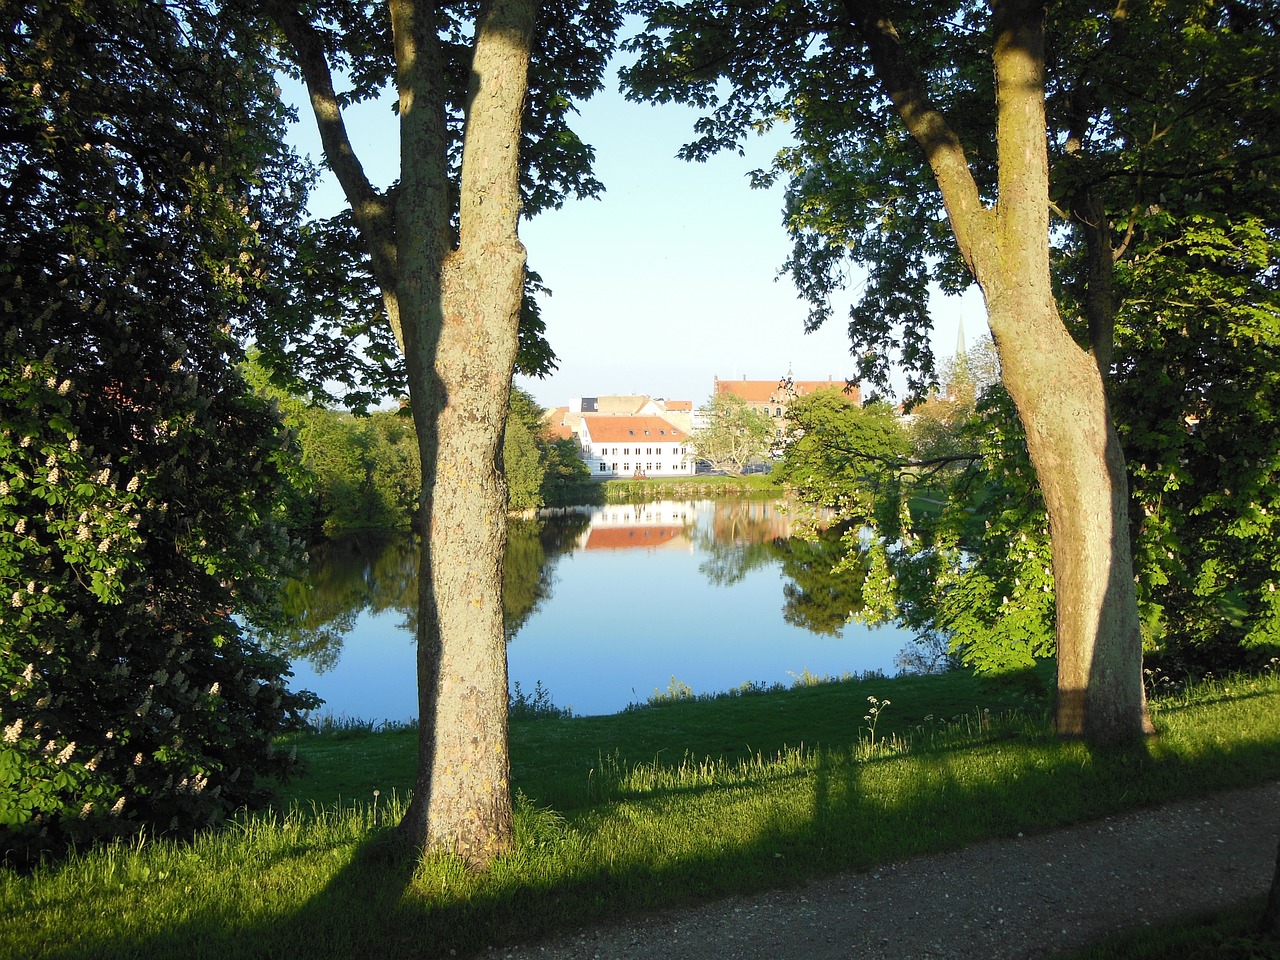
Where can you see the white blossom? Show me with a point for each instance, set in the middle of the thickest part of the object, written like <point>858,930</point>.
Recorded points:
<point>13,731</point>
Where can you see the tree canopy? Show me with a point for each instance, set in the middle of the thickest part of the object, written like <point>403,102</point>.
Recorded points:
<point>918,162</point>
<point>731,434</point>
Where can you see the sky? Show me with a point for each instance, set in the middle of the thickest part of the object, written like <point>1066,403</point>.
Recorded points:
<point>671,278</point>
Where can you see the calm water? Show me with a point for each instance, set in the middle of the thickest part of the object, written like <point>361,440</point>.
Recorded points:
<point>603,607</point>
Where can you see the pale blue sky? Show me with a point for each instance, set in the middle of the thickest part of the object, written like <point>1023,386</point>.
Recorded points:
<point>668,280</point>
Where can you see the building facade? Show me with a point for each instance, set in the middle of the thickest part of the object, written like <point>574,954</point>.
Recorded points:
<point>634,446</point>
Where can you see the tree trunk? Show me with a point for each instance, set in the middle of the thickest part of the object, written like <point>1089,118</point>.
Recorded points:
<point>454,309</point>
<point>459,312</point>
<point>1058,390</point>
<point>1073,445</point>
<point>462,799</point>
<point>1055,385</point>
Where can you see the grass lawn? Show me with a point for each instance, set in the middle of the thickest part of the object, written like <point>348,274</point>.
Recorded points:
<point>659,806</point>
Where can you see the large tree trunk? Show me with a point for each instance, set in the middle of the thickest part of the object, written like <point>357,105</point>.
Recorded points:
<point>459,312</point>
<point>1073,445</point>
<point>1056,386</point>
<point>454,308</point>
<point>1058,390</point>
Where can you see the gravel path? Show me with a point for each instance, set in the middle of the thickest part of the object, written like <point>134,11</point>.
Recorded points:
<point>1016,898</point>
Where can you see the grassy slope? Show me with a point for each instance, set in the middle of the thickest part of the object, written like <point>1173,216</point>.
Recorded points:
<point>655,807</point>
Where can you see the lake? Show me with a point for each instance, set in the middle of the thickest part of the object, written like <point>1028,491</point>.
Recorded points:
<point>604,607</point>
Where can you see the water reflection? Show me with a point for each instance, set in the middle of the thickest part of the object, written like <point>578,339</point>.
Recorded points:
<point>715,593</point>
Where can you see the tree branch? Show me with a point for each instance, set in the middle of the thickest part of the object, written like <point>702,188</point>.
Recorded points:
<point>971,221</point>
<point>374,216</point>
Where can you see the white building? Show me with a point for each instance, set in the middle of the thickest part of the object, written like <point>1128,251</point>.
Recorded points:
<point>619,446</point>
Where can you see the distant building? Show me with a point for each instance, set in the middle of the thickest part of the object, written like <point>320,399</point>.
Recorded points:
<point>774,396</point>
<point>629,446</point>
<point>564,421</point>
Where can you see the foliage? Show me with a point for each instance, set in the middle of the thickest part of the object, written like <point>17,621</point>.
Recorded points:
<point>1192,395</point>
<point>144,201</point>
<point>937,421</point>
<point>332,331</point>
<point>1196,383</point>
<point>536,705</point>
<point>732,433</point>
<point>838,452</point>
<point>363,471</point>
<point>1164,263</point>
<point>566,477</point>
<point>524,453</point>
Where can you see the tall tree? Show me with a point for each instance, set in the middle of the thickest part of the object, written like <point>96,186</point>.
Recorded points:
<point>968,193</point>
<point>732,434</point>
<point>482,138</point>
<point>145,201</point>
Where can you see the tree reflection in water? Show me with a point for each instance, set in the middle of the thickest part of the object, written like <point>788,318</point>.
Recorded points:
<point>822,585</point>
<point>378,572</point>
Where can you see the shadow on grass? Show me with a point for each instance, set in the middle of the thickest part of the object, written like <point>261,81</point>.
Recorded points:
<point>851,816</point>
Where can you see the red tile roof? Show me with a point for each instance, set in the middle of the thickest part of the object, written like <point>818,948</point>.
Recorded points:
<point>629,538</point>
<point>554,426</point>
<point>766,391</point>
<point>604,429</point>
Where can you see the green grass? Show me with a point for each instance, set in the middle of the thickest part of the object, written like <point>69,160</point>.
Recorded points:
<point>703,486</point>
<point>674,804</point>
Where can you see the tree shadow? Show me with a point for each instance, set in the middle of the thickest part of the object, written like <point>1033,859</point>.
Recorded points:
<point>848,815</point>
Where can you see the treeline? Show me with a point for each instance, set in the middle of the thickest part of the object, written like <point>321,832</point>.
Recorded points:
<point>363,472</point>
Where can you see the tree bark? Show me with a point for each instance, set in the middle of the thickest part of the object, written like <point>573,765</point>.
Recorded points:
<point>1056,386</point>
<point>454,306</point>
<point>461,339</point>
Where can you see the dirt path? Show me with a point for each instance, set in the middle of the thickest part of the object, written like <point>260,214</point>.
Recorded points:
<point>1017,898</point>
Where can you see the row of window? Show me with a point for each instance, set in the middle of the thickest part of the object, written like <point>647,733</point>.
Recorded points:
<point>626,467</point>
<point>649,451</point>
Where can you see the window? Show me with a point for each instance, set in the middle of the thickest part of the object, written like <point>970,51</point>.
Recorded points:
<point>626,467</point>
<point>604,467</point>
<point>777,412</point>
<point>626,451</point>
<point>615,468</point>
